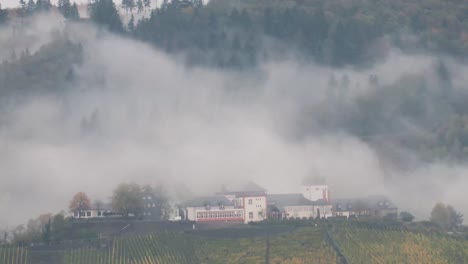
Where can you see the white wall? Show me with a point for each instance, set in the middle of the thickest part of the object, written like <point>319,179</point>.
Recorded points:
<point>299,211</point>
<point>315,192</point>
<point>325,210</point>
<point>308,211</point>
<point>192,213</point>
<point>92,213</point>
<point>255,208</point>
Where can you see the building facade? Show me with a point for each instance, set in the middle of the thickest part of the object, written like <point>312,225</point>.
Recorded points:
<point>316,192</point>
<point>296,206</point>
<point>248,205</point>
<point>371,206</point>
<point>213,209</point>
<point>152,206</point>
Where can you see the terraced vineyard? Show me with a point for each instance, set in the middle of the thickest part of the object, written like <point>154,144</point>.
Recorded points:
<point>362,245</point>
<point>13,255</point>
<point>160,248</point>
<point>305,245</point>
<point>299,245</point>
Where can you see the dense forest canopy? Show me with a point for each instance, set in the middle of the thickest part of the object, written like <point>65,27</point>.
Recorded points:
<point>243,34</point>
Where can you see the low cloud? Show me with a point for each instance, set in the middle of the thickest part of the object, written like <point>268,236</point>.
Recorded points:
<point>137,114</point>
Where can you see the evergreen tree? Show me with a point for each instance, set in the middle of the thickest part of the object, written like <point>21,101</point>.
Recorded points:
<point>128,5</point>
<point>31,6</point>
<point>147,4</point>
<point>43,5</point>
<point>74,13</point>
<point>131,24</point>
<point>140,6</point>
<point>64,6</point>
<point>47,4</point>
<point>39,5</point>
<point>104,13</point>
<point>23,8</point>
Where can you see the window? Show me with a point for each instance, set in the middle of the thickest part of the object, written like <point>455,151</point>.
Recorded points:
<point>88,213</point>
<point>149,197</point>
<point>99,213</point>
<point>149,213</point>
<point>154,205</point>
<point>250,201</point>
<point>149,205</point>
<point>250,215</point>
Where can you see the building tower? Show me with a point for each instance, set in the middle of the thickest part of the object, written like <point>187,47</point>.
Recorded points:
<point>315,189</point>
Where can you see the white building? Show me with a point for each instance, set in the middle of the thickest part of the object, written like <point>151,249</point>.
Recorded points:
<point>314,192</point>
<point>372,206</point>
<point>248,205</point>
<point>213,209</point>
<point>315,189</point>
<point>253,203</point>
<point>91,213</point>
<point>296,206</point>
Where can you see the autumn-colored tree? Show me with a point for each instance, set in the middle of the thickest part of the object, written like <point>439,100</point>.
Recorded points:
<point>79,203</point>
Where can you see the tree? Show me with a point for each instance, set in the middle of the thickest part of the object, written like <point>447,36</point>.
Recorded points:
<point>46,232</point>
<point>128,199</point>
<point>104,13</point>
<point>58,227</point>
<point>446,216</point>
<point>128,5</point>
<point>64,6</point>
<point>406,216</point>
<point>455,218</point>
<point>74,13</point>
<point>131,24</point>
<point>3,15</point>
<point>147,4</point>
<point>140,6</point>
<point>22,4</point>
<point>43,5</point>
<point>79,203</point>
<point>439,215</point>
<point>68,10</point>
<point>31,6</point>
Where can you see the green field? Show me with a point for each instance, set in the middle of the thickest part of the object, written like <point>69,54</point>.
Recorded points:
<point>299,245</point>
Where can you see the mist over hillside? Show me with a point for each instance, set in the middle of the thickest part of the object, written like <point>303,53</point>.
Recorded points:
<point>83,109</point>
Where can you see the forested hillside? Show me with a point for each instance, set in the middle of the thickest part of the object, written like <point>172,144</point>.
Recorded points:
<point>244,34</point>
<point>315,82</point>
<point>236,33</point>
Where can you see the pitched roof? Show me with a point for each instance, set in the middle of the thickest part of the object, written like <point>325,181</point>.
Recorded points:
<point>370,202</point>
<point>295,199</point>
<point>208,200</point>
<point>248,189</point>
